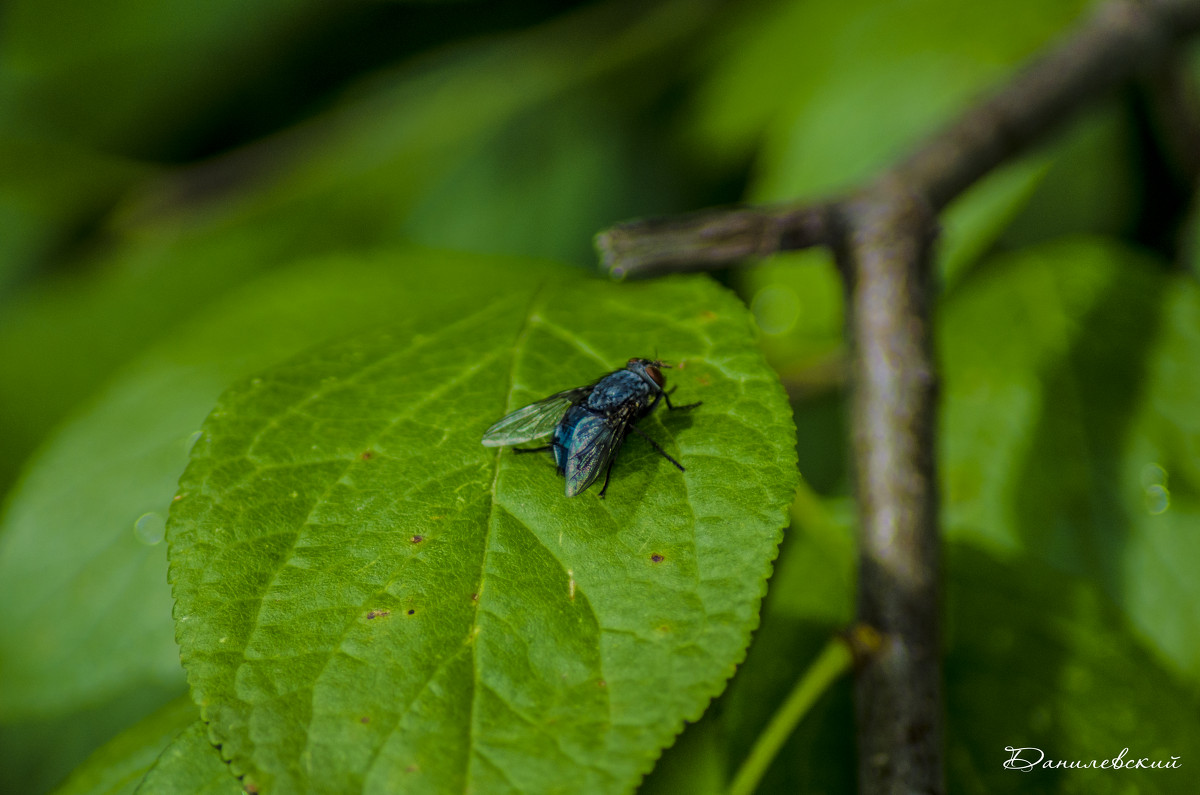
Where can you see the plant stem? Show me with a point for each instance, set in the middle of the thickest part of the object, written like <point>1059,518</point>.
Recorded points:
<point>834,660</point>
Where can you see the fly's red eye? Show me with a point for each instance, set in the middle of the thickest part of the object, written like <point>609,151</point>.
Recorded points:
<point>656,375</point>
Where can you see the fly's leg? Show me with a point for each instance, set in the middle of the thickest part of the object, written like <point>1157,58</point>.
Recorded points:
<point>667,397</point>
<point>606,473</point>
<point>661,451</point>
<point>533,449</point>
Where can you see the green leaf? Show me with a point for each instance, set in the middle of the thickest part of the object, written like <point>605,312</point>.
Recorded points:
<point>84,603</point>
<point>38,753</point>
<point>190,765</point>
<point>118,767</point>
<point>1039,659</point>
<point>1091,183</point>
<point>367,598</point>
<point>1159,473</point>
<point>544,184</point>
<point>869,80</point>
<point>1069,430</point>
<point>167,752</point>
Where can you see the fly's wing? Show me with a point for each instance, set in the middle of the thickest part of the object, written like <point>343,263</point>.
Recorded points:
<point>592,446</point>
<point>533,421</point>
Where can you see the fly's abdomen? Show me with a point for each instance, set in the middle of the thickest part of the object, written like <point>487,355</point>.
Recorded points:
<point>564,434</point>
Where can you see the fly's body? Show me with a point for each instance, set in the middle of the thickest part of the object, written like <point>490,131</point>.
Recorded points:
<point>587,425</point>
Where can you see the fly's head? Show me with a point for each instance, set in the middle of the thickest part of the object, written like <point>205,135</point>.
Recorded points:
<point>650,370</point>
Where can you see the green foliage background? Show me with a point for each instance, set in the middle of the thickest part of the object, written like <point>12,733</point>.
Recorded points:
<point>193,196</point>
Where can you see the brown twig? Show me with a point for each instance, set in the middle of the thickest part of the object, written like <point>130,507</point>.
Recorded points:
<point>886,256</point>
<point>882,237</point>
<point>710,238</point>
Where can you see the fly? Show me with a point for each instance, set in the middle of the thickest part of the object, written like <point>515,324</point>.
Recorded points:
<point>587,425</point>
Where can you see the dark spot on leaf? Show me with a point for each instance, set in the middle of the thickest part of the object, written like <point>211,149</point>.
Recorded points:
<point>378,614</point>
<point>364,719</point>
<point>601,683</point>
<point>411,611</point>
<point>367,455</point>
<point>474,597</point>
<point>657,558</point>
<point>417,539</point>
<point>664,629</point>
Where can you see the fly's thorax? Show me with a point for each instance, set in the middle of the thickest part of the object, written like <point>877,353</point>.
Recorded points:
<point>622,389</point>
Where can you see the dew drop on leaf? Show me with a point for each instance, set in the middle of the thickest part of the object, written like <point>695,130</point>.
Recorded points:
<point>150,528</point>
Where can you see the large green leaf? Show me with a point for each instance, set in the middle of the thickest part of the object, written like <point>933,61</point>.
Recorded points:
<point>86,638</point>
<point>1069,429</point>
<point>84,604</point>
<point>367,598</point>
<point>76,542</point>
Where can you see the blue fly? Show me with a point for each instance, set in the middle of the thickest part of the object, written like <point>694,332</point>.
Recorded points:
<point>587,425</point>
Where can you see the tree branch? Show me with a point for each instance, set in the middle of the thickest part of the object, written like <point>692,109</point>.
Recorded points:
<point>882,236</point>
<point>886,257</point>
<point>1120,41</point>
<point>710,238</point>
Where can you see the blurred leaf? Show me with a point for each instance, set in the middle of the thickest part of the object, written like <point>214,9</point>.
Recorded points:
<point>544,184</point>
<point>118,767</point>
<point>345,181</point>
<point>696,763</point>
<point>870,79</point>
<point>1091,185</point>
<point>367,598</point>
<point>190,765</point>
<point>796,298</point>
<point>38,753</point>
<point>124,75</point>
<point>48,194</point>
<point>1159,472</point>
<point>1069,432</point>
<point>85,610</point>
<point>973,222</point>
<point>1043,660</point>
